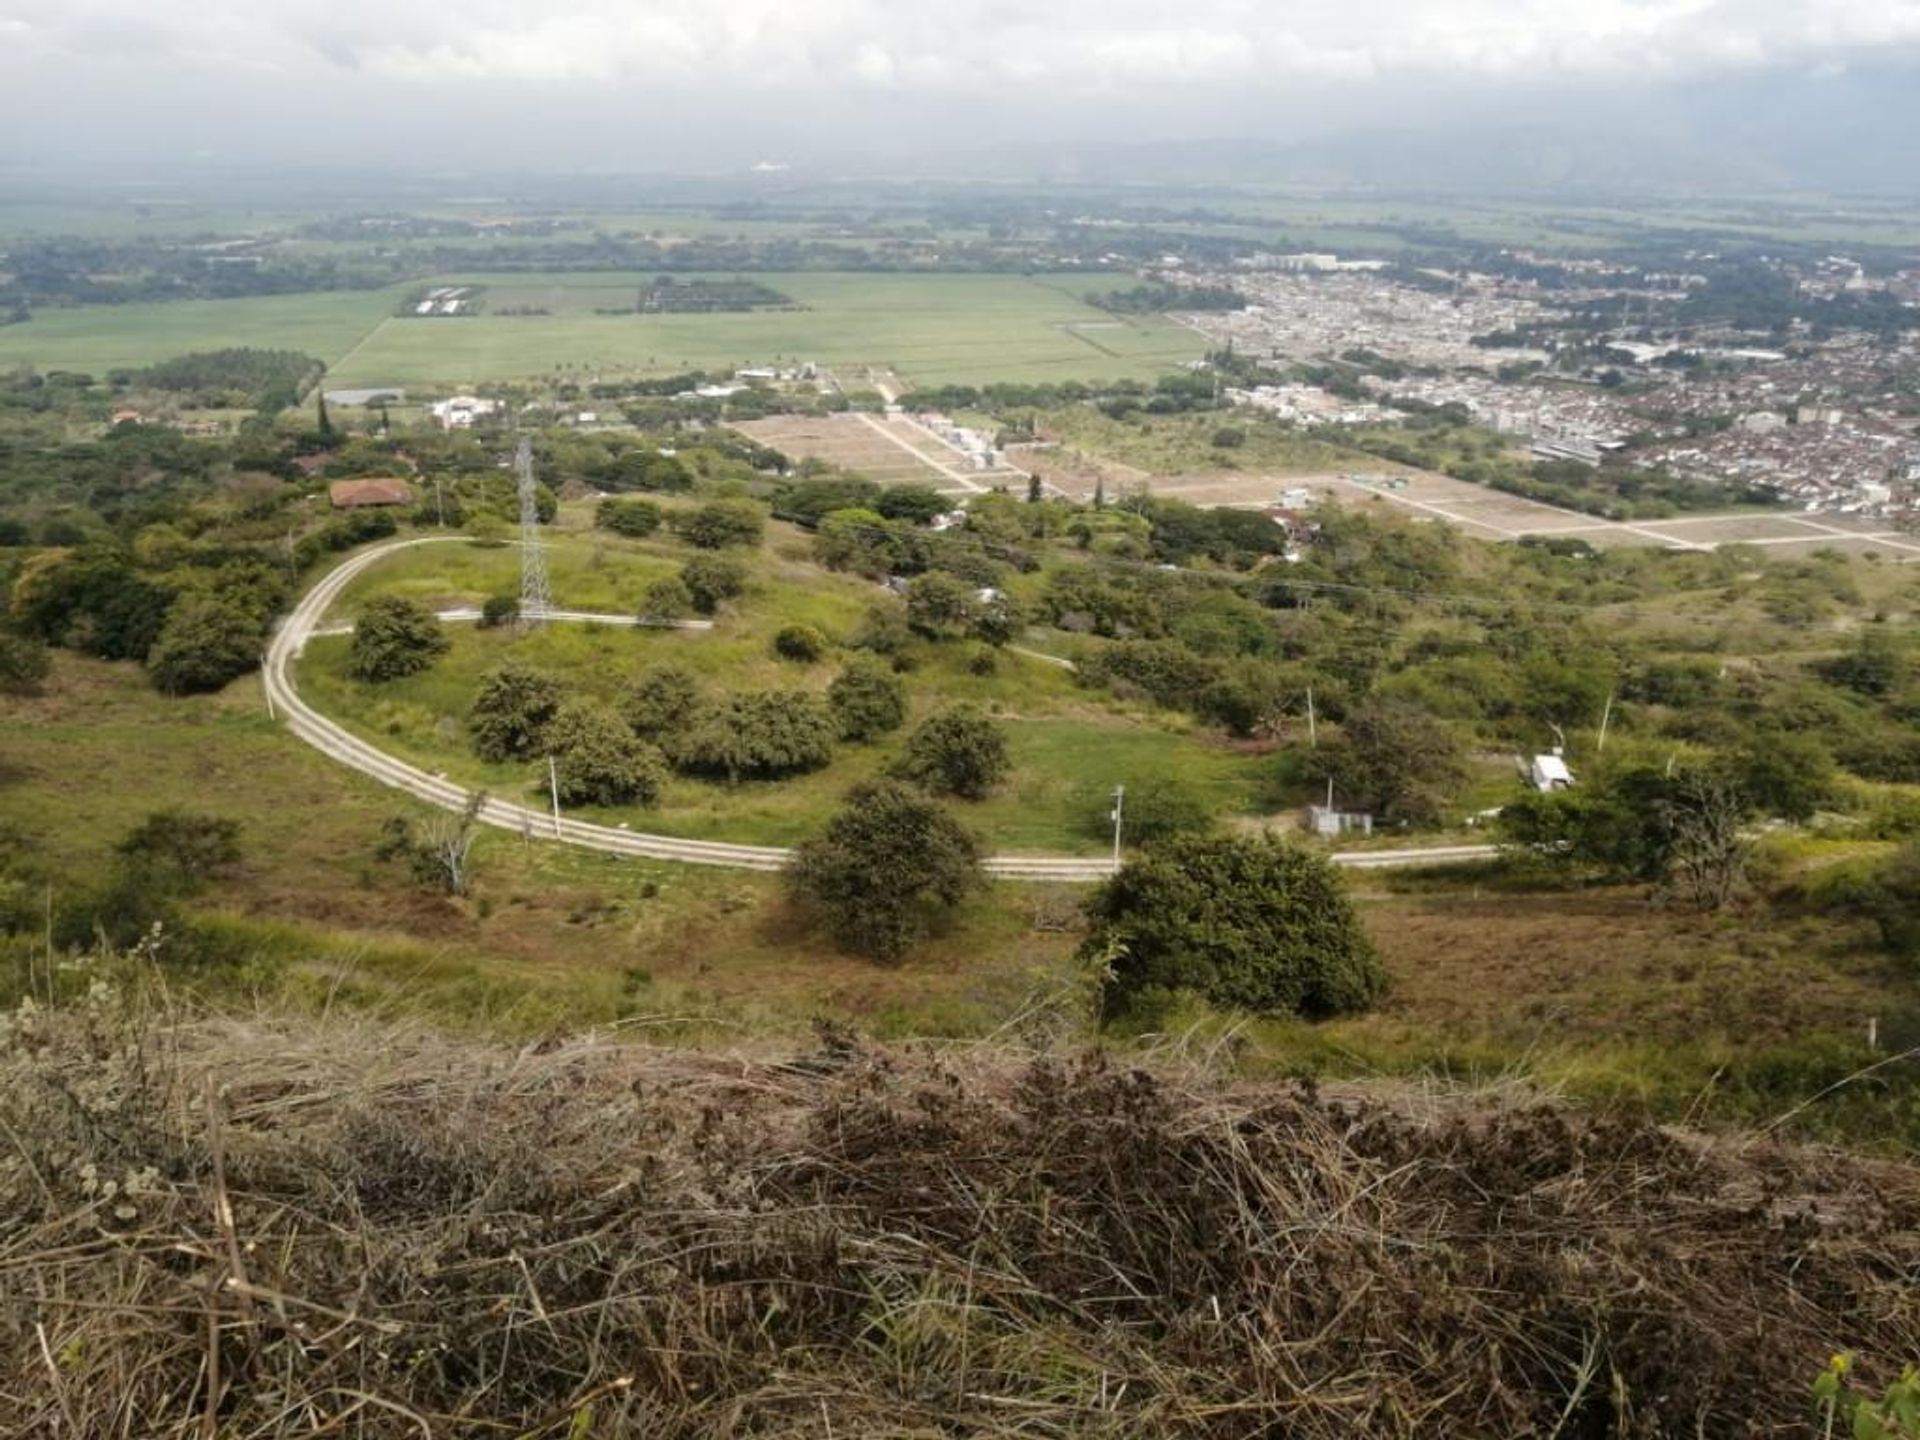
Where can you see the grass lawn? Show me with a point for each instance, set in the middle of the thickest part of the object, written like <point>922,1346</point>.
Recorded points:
<point>1183,444</point>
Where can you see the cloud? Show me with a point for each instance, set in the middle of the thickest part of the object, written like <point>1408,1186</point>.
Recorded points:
<point>1101,48</point>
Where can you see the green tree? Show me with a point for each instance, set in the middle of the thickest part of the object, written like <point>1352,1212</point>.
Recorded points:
<point>884,867</point>
<point>761,735</point>
<point>1156,808</point>
<point>598,760</point>
<point>800,643</point>
<point>498,610</point>
<point>1248,923</point>
<point>867,699</point>
<point>25,663</point>
<point>917,504</point>
<point>394,637</point>
<point>958,751</point>
<point>204,643</point>
<point>711,580</point>
<point>661,701</point>
<point>940,606</point>
<point>720,524</point>
<point>667,598</point>
<point>512,711</point>
<point>1393,760</point>
<point>634,518</point>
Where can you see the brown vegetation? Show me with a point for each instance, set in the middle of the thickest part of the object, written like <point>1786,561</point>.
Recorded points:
<point>268,1229</point>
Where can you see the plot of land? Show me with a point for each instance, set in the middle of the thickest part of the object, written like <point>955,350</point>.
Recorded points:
<point>1494,515</point>
<point>891,450</point>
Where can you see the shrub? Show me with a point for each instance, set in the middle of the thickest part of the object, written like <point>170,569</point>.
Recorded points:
<point>940,606</point>
<point>1248,923</point>
<point>25,663</point>
<point>759,736</point>
<point>661,701</point>
<point>598,760</point>
<point>668,598</point>
<point>204,643</point>
<point>394,638</point>
<point>722,523</point>
<point>712,579</point>
<point>498,610</point>
<point>956,752</point>
<point>800,643</point>
<point>512,711</point>
<point>867,700</point>
<point>180,851</point>
<point>627,517</point>
<point>1391,759</point>
<point>1155,808</point>
<point>983,662</point>
<point>889,860</point>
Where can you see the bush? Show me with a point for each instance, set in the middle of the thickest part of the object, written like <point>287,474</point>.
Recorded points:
<point>204,643</point>
<point>940,606</point>
<point>757,736</point>
<point>628,517</point>
<point>668,598</point>
<point>867,700</point>
<point>598,760</point>
<point>800,643</point>
<point>713,579</point>
<point>512,711</point>
<point>722,523</point>
<point>1156,808</point>
<point>498,610</point>
<point>180,851</point>
<point>661,701</point>
<point>394,638</point>
<point>1393,760</point>
<point>956,752</point>
<point>25,663</point>
<point>884,864</point>
<point>1250,924</point>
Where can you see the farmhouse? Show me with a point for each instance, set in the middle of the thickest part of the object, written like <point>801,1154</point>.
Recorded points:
<point>459,412</point>
<point>363,494</point>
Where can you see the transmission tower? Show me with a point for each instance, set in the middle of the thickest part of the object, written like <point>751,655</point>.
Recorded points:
<point>536,595</point>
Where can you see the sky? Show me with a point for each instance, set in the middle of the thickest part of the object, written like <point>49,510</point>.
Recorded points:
<point>666,84</point>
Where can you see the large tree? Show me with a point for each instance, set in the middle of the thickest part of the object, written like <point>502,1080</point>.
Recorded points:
<point>1250,923</point>
<point>762,735</point>
<point>598,760</point>
<point>721,523</point>
<point>204,643</point>
<point>888,863</point>
<point>512,711</point>
<point>394,637</point>
<point>1394,760</point>
<point>867,699</point>
<point>959,751</point>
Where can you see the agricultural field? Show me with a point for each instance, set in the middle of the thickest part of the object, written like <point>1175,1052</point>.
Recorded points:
<point>98,338</point>
<point>932,329</point>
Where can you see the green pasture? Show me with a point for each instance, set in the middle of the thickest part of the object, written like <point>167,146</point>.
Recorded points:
<point>1069,746</point>
<point>931,328</point>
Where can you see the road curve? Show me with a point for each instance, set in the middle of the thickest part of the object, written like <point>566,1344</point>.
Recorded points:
<point>340,744</point>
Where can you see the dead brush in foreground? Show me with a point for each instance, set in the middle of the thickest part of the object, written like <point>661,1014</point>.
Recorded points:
<point>274,1228</point>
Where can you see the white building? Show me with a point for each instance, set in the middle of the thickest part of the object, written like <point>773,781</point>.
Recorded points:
<point>1550,772</point>
<point>458,412</point>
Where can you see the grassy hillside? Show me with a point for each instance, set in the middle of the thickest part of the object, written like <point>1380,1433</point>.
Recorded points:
<point>413,1236</point>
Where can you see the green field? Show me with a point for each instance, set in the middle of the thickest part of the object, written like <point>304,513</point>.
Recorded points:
<point>933,329</point>
<point>98,338</point>
<point>1069,746</point>
<point>930,328</point>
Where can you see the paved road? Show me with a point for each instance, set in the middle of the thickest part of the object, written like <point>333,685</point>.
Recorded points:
<point>339,744</point>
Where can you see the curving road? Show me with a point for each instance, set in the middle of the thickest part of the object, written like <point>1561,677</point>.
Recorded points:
<point>340,744</point>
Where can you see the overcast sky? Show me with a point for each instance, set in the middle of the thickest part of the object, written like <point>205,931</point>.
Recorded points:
<point>654,82</point>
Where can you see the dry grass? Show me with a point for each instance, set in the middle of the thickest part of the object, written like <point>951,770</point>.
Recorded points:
<point>227,1228</point>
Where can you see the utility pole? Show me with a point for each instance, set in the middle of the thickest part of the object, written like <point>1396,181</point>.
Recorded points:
<point>553,789</point>
<point>439,503</point>
<point>266,689</point>
<point>1119,812</point>
<point>1313,729</point>
<point>1606,715</point>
